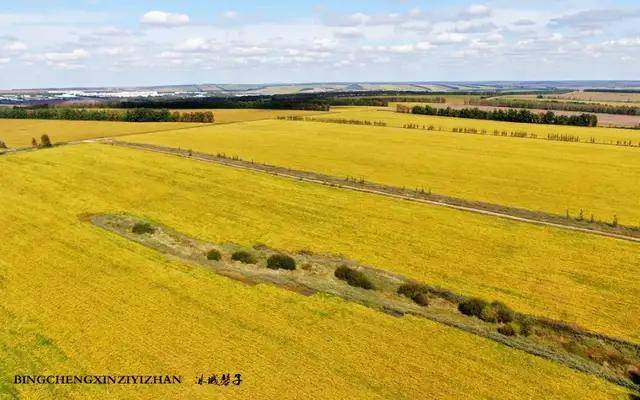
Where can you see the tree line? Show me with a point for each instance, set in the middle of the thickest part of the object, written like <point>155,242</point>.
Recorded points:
<point>559,105</point>
<point>84,114</point>
<point>510,115</point>
<point>299,102</point>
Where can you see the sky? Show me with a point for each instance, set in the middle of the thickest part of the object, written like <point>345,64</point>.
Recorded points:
<point>88,43</point>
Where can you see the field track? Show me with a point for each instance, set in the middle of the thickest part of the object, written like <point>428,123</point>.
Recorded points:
<point>516,214</point>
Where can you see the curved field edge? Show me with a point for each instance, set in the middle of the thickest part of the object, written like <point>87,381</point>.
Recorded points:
<point>577,278</point>
<point>316,273</point>
<point>112,306</point>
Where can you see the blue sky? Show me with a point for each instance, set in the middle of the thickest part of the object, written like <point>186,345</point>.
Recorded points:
<point>62,43</point>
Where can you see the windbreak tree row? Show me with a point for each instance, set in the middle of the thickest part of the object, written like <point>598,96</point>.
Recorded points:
<point>511,115</point>
<point>128,115</point>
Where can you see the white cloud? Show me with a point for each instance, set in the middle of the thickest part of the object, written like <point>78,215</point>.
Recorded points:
<point>349,33</point>
<point>112,31</point>
<point>475,11</point>
<point>624,42</point>
<point>194,44</point>
<point>593,18</point>
<point>250,51</point>
<point>230,14</point>
<point>402,48</point>
<point>5,60</point>
<point>475,27</point>
<point>448,38</point>
<point>170,55</point>
<point>363,19</point>
<point>162,18</point>
<point>115,50</point>
<point>14,46</point>
<point>75,55</point>
<point>524,22</point>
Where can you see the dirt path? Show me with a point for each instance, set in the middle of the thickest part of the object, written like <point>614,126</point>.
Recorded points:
<point>494,210</point>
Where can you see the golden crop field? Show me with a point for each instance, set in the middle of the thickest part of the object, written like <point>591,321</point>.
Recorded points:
<point>607,135</point>
<point>532,174</point>
<point>556,273</point>
<point>224,115</point>
<point>19,132</point>
<point>112,305</point>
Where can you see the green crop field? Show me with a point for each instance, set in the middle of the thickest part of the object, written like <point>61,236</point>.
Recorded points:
<point>533,174</point>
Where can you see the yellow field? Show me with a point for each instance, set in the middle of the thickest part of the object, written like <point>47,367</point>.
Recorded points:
<point>447,123</point>
<point>19,132</point>
<point>533,174</point>
<point>224,116</point>
<point>114,306</point>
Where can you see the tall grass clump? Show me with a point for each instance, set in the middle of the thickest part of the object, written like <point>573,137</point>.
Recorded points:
<point>142,228</point>
<point>281,261</point>
<point>214,255</point>
<point>244,257</point>
<point>353,277</point>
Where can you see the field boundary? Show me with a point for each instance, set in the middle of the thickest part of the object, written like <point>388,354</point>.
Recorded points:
<point>544,338</point>
<point>415,195</point>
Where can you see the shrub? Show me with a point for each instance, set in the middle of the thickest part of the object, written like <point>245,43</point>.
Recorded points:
<point>421,299</point>
<point>410,290</point>
<point>504,314</point>
<point>353,277</point>
<point>244,257</point>
<point>510,329</point>
<point>281,261</point>
<point>472,307</point>
<point>34,142</point>
<point>214,255</point>
<point>3,145</point>
<point>446,294</point>
<point>635,377</point>
<point>489,314</point>
<point>526,326</point>
<point>142,227</point>
<point>45,141</point>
